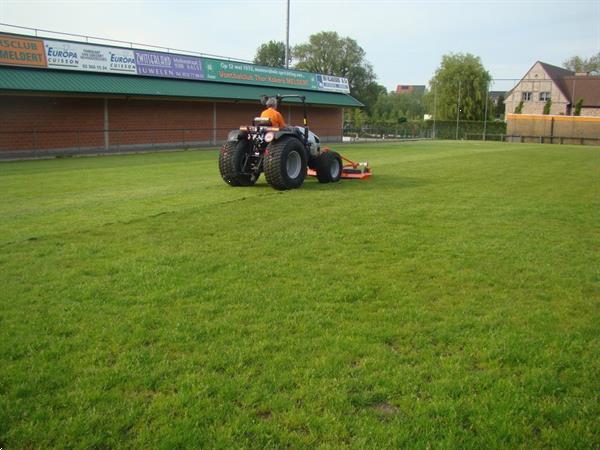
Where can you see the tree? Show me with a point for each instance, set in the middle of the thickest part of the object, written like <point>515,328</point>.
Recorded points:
<point>394,108</point>
<point>369,94</point>
<point>579,64</point>
<point>459,75</point>
<point>329,53</point>
<point>499,107</point>
<point>578,106</point>
<point>355,118</point>
<point>547,107</point>
<point>271,54</point>
<point>519,108</point>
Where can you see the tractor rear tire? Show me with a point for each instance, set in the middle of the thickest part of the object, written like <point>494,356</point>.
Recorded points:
<point>285,163</point>
<point>329,167</point>
<point>231,160</point>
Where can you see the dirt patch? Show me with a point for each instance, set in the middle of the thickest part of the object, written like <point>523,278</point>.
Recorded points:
<point>386,409</point>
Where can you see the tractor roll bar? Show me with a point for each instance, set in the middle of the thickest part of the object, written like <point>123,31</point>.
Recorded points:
<point>264,98</point>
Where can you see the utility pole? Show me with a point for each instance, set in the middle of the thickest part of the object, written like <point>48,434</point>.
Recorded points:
<point>287,36</point>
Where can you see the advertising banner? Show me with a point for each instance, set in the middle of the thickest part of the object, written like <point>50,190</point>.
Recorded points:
<point>165,65</point>
<point>88,57</point>
<point>21,52</point>
<point>80,56</point>
<point>236,72</point>
<point>330,83</point>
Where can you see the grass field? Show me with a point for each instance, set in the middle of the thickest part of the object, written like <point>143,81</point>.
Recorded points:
<point>450,301</point>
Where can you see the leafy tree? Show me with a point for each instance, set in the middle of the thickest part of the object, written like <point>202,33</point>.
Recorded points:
<point>369,95</point>
<point>464,72</point>
<point>329,53</point>
<point>519,108</point>
<point>547,107</point>
<point>578,106</point>
<point>579,64</point>
<point>499,107</point>
<point>355,118</point>
<point>271,54</point>
<point>394,108</point>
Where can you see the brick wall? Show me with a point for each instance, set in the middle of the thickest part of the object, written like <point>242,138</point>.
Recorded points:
<point>46,122</point>
<point>77,124</point>
<point>326,122</point>
<point>155,122</point>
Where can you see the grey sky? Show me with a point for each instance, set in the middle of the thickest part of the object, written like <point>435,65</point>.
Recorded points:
<point>404,40</point>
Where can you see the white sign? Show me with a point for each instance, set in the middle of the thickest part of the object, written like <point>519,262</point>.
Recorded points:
<point>331,83</point>
<point>89,58</point>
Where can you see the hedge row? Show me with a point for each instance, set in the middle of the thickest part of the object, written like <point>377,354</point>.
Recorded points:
<point>468,129</point>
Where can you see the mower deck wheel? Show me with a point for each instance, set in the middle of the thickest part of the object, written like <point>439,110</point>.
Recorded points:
<point>329,167</point>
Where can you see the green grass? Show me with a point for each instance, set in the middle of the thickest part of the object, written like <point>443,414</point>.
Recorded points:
<point>450,301</point>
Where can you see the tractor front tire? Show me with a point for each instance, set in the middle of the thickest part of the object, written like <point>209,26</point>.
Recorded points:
<point>231,161</point>
<point>285,163</point>
<point>329,167</point>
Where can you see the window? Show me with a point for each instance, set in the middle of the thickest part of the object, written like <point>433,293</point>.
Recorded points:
<point>544,96</point>
<point>526,96</point>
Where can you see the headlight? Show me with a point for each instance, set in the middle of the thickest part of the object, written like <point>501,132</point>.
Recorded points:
<point>269,136</point>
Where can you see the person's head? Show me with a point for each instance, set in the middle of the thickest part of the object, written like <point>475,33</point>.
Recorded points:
<point>272,103</point>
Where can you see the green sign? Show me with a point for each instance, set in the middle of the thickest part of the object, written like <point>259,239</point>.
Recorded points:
<point>237,72</point>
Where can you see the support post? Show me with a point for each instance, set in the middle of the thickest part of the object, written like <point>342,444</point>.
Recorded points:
<point>106,132</point>
<point>214,121</point>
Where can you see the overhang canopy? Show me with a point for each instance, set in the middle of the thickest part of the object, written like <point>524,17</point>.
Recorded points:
<point>49,81</point>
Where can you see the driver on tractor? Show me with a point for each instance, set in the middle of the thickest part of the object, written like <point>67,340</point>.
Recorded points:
<point>274,115</point>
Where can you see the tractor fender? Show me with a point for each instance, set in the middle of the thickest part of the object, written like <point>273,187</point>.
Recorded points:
<point>293,135</point>
<point>237,135</point>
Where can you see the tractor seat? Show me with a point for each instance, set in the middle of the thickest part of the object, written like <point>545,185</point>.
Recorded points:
<point>261,122</point>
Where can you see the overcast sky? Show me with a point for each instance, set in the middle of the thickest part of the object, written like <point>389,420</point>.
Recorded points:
<point>404,40</point>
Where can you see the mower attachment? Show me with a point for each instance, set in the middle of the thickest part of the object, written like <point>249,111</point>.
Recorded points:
<point>350,170</point>
<point>359,171</point>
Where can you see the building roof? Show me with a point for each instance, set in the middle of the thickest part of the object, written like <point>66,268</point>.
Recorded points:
<point>407,88</point>
<point>557,75</point>
<point>49,81</point>
<point>583,87</point>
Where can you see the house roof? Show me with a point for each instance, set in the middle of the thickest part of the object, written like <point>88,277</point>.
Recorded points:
<point>557,75</point>
<point>404,88</point>
<point>586,87</point>
<point>583,87</point>
<point>40,80</point>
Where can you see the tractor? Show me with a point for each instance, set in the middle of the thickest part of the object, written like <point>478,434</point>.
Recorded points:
<point>285,155</point>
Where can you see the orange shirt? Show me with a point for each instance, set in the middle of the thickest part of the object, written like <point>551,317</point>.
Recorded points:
<point>275,116</point>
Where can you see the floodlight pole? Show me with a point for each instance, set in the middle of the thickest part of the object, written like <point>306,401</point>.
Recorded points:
<point>485,114</point>
<point>458,110</point>
<point>287,36</point>
<point>434,108</point>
